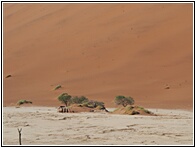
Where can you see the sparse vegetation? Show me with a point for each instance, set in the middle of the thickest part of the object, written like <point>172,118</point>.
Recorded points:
<point>124,101</point>
<point>65,98</point>
<point>145,110</point>
<point>100,104</point>
<point>79,100</point>
<point>82,103</point>
<point>94,104</point>
<point>57,87</point>
<point>20,102</point>
<point>132,110</point>
<point>128,107</point>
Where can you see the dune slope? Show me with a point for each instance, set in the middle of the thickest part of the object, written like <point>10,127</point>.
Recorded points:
<point>99,51</point>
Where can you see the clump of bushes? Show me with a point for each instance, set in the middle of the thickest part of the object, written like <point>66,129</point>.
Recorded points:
<point>79,100</point>
<point>124,101</point>
<point>20,102</point>
<point>82,101</point>
<point>132,110</point>
<point>128,107</point>
<point>94,104</point>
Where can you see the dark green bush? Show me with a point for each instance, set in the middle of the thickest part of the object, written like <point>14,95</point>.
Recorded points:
<point>65,98</point>
<point>91,104</point>
<point>94,104</point>
<point>100,104</point>
<point>85,104</point>
<point>82,101</point>
<point>20,102</point>
<point>122,100</point>
<point>79,100</point>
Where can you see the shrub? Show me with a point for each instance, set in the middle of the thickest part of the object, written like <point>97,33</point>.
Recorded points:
<point>100,104</point>
<point>94,104</point>
<point>145,110</point>
<point>129,107</point>
<point>82,101</point>
<point>79,100</point>
<point>91,104</point>
<point>20,102</point>
<point>85,104</point>
<point>57,87</point>
<point>65,98</point>
<point>122,100</point>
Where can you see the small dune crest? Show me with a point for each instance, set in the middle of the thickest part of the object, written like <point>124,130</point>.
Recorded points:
<point>133,110</point>
<point>81,108</point>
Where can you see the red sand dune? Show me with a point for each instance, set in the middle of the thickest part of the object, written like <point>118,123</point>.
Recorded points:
<point>99,51</point>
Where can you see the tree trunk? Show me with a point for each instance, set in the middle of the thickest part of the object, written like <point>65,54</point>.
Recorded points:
<point>19,131</point>
<point>124,104</point>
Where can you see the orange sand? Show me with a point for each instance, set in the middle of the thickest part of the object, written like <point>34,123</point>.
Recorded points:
<point>99,51</point>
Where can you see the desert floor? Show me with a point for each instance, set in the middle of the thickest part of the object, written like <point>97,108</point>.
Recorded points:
<point>44,126</point>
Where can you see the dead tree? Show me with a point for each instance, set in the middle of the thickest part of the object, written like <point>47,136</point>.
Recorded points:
<point>19,131</point>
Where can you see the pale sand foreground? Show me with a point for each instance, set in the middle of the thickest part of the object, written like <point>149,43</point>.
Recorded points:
<point>44,126</point>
